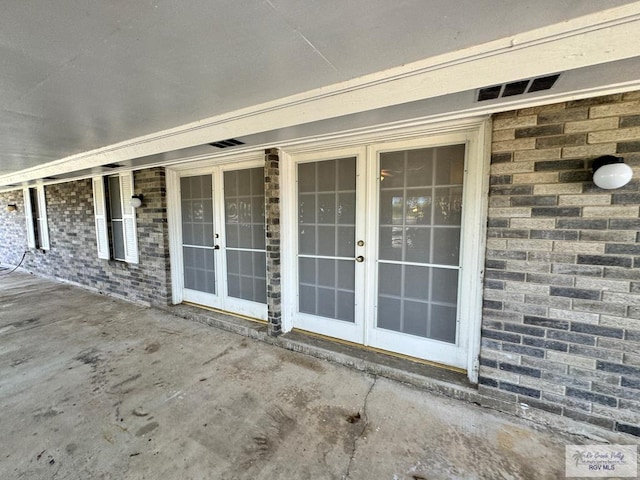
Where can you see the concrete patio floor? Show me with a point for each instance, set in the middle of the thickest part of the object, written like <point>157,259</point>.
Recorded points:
<point>95,388</point>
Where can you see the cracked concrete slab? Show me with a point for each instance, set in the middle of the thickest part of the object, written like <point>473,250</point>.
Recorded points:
<point>93,387</point>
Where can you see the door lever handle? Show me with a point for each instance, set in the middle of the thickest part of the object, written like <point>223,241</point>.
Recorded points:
<point>359,259</point>
<point>216,247</point>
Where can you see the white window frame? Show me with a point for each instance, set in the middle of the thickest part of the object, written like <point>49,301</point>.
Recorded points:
<point>101,215</point>
<point>42,242</point>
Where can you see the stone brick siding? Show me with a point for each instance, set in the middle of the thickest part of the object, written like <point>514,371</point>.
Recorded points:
<point>272,206</point>
<point>73,255</point>
<point>561,319</point>
<point>13,229</point>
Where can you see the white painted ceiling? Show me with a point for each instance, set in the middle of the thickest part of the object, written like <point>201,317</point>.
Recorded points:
<point>78,75</point>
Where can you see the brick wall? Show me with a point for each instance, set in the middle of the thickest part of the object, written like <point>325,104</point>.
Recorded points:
<point>272,206</point>
<point>73,255</point>
<point>561,321</point>
<point>13,229</point>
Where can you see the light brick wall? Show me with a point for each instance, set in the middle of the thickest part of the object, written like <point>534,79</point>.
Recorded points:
<point>561,319</point>
<point>73,255</point>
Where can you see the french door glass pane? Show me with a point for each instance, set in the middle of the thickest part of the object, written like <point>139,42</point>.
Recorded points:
<point>420,215</point>
<point>326,238</point>
<point>199,273</point>
<point>245,231</point>
<point>196,197</point>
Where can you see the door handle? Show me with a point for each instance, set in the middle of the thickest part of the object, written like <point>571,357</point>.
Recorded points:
<point>359,259</point>
<point>216,247</point>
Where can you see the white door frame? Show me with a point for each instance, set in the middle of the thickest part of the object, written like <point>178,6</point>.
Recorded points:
<point>174,218</point>
<point>475,132</point>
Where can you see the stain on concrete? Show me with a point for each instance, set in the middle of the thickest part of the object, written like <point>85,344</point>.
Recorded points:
<point>90,356</point>
<point>148,428</point>
<point>335,428</point>
<point>303,361</point>
<point>220,355</point>
<point>296,396</point>
<point>128,380</point>
<point>152,347</point>
<point>19,361</point>
<point>48,413</point>
<point>71,448</point>
<point>24,323</point>
<point>140,412</point>
<point>274,427</point>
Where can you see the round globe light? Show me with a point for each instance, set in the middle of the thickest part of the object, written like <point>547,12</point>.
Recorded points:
<point>611,172</point>
<point>136,201</point>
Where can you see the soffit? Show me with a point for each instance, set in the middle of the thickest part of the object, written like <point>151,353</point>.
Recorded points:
<point>77,76</point>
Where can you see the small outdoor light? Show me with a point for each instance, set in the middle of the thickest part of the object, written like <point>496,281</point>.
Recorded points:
<point>136,201</point>
<point>611,172</point>
<point>12,207</point>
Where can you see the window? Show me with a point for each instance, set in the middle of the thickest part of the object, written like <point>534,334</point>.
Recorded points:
<point>35,209</point>
<point>115,217</point>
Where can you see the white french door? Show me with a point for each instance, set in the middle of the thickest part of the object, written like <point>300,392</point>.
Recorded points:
<point>416,212</point>
<point>330,239</point>
<point>381,249</point>
<point>222,238</point>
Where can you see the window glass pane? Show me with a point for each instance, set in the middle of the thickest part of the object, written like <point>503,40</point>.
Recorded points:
<point>345,309</point>
<point>326,176</point>
<point>326,227</point>
<point>346,208</point>
<point>389,313</point>
<point>196,195</point>
<point>391,169</point>
<point>245,229</point>
<point>449,165</point>
<point>444,288</point>
<point>390,279</point>
<point>115,208</point>
<point>415,318</point>
<point>306,177</point>
<point>391,241</point>
<point>307,270</point>
<point>420,215</point>
<point>418,244</point>
<point>446,246</point>
<point>118,239</point>
<point>443,323</point>
<point>420,167</point>
<point>197,210</point>
<point>244,208</point>
<point>199,272</point>
<point>416,282</point>
<point>448,206</point>
<point>346,241</point>
<point>35,215</point>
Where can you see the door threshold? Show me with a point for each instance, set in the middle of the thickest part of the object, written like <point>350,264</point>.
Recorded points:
<point>431,376</point>
<point>382,351</point>
<point>225,312</point>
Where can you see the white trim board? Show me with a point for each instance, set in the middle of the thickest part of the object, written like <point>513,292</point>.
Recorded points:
<point>598,38</point>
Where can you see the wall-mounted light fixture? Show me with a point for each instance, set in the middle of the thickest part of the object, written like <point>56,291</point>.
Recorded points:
<point>611,172</point>
<point>136,200</point>
<point>12,207</point>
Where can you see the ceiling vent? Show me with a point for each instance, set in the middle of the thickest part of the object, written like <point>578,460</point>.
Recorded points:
<point>517,88</point>
<point>232,142</point>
